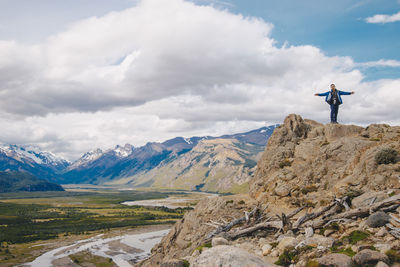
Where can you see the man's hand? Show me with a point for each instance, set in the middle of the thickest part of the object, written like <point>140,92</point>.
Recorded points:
<point>316,94</point>
<point>352,92</point>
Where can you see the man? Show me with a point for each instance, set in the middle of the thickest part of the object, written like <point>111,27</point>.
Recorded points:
<point>333,98</point>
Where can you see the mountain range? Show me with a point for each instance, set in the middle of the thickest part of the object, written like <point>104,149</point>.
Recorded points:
<point>221,164</point>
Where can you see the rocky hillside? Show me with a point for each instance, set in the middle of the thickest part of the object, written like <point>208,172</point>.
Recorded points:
<point>323,195</point>
<point>216,165</point>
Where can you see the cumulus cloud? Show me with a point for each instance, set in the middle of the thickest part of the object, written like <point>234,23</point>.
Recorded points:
<point>382,18</point>
<point>170,67</point>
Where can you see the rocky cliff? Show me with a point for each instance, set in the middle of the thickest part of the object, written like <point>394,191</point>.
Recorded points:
<point>327,195</point>
<point>307,163</point>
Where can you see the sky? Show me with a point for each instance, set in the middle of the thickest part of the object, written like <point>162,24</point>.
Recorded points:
<point>81,74</point>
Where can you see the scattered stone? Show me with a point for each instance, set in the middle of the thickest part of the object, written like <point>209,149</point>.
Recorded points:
<point>319,240</point>
<point>309,232</point>
<point>266,249</point>
<point>328,232</point>
<point>275,253</point>
<point>381,264</point>
<point>389,238</point>
<point>218,241</point>
<point>282,190</point>
<point>377,219</point>
<point>286,242</point>
<point>383,248</point>
<point>335,260</point>
<point>368,257</point>
<point>382,232</point>
<point>228,256</point>
<point>262,240</point>
<point>355,248</point>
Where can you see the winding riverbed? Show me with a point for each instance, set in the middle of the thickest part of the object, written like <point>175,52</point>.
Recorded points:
<point>124,250</point>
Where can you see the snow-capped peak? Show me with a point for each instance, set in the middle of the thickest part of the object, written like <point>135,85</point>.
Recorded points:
<point>92,155</point>
<point>32,153</point>
<point>123,151</point>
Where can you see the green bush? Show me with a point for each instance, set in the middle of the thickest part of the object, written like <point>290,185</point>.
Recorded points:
<point>386,156</point>
<point>288,256</point>
<point>356,236</point>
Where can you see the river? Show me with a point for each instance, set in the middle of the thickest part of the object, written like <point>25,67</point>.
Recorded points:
<point>124,250</point>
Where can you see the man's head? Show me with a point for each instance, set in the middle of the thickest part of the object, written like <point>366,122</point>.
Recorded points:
<point>333,86</point>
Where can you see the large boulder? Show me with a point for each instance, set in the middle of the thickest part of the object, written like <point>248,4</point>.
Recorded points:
<point>335,260</point>
<point>368,257</point>
<point>377,219</point>
<point>228,256</point>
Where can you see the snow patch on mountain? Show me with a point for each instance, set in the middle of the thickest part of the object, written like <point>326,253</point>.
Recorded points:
<point>32,154</point>
<point>87,157</point>
<point>123,151</point>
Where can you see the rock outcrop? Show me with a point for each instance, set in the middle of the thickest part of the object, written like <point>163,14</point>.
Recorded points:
<point>306,166</point>
<point>307,163</point>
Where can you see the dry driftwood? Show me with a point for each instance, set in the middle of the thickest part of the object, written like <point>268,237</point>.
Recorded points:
<point>359,212</point>
<point>227,227</point>
<point>322,218</point>
<point>393,230</point>
<point>310,216</point>
<point>264,225</point>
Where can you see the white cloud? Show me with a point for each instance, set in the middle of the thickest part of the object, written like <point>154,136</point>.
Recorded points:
<point>380,63</point>
<point>381,18</point>
<point>165,68</point>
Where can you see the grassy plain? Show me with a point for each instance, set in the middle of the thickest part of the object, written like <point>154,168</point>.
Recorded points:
<point>31,220</point>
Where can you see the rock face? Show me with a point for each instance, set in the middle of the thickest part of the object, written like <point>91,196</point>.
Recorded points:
<point>228,256</point>
<point>306,164</point>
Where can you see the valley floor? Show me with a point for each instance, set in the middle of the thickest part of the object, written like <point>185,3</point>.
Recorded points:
<point>37,224</point>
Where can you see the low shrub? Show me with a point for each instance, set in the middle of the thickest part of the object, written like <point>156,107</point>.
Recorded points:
<point>394,256</point>
<point>285,163</point>
<point>356,236</point>
<point>386,156</point>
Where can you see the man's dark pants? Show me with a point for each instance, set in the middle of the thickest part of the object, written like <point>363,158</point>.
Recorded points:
<point>334,112</point>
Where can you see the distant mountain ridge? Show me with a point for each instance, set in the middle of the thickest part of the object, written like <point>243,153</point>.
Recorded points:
<point>127,163</point>
<point>32,160</point>
<point>23,181</point>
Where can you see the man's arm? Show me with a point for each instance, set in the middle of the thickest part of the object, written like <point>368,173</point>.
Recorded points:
<point>322,94</point>
<point>346,93</point>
